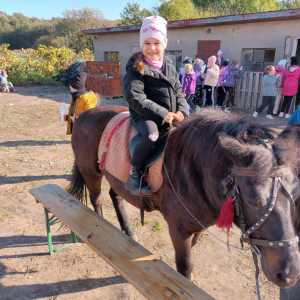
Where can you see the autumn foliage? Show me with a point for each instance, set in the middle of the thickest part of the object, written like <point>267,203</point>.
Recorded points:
<point>39,66</point>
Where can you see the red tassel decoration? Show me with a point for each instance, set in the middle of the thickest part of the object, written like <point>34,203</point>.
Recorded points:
<point>226,217</point>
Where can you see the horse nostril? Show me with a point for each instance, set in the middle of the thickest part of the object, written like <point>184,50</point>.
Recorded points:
<point>283,278</point>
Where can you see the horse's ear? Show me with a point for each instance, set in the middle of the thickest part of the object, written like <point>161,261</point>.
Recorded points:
<point>240,154</point>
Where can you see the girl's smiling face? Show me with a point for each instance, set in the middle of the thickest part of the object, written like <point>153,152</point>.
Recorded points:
<point>153,49</point>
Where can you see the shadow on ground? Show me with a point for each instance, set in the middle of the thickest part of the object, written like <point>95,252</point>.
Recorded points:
<point>20,179</point>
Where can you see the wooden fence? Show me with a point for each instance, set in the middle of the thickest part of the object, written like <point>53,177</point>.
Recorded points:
<point>248,93</point>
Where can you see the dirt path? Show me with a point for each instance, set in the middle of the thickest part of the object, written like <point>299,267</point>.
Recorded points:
<point>35,151</point>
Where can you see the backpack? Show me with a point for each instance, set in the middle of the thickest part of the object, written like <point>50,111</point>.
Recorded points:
<point>226,76</point>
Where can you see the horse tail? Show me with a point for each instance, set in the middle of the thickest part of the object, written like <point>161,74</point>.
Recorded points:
<point>77,187</point>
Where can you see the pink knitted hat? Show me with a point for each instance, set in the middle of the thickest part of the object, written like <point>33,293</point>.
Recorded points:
<point>154,27</point>
<point>212,59</point>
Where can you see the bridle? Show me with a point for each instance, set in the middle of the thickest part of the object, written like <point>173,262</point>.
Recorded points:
<point>229,185</point>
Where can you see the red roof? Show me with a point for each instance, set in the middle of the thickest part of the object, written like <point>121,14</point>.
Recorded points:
<point>255,17</point>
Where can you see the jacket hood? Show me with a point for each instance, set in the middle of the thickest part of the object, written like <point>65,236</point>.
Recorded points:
<point>133,59</point>
<point>279,68</point>
<point>233,67</point>
<point>293,68</point>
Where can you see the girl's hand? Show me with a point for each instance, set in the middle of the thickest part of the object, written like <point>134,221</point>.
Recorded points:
<point>184,95</point>
<point>73,118</point>
<point>169,118</point>
<point>179,116</point>
<point>278,75</point>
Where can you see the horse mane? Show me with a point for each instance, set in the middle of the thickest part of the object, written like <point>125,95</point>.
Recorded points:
<point>201,132</point>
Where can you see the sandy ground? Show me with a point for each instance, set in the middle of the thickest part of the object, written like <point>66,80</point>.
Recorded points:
<point>35,151</point>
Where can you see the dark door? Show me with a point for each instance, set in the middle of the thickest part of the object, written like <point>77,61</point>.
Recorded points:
<point>207,49</point>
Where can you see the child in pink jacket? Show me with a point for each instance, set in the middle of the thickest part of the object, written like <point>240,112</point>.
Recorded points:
<point>290,87</point>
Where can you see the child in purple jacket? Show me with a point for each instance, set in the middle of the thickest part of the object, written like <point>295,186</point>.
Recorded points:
<point>189,87</point>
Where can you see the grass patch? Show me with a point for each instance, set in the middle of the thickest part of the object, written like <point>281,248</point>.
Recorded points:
<point>6,214</point>
<point>3,148</point>
<point>158,227</point>
<point>136,225</point>
<point>146,222</point>
<point>47,138</point>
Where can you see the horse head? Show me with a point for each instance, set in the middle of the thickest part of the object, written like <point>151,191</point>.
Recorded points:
<point>266,183</point>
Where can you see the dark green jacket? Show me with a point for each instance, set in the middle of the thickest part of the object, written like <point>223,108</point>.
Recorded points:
<point>153,94</point>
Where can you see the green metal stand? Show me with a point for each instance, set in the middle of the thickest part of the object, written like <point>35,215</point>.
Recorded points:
<point>51,221</point>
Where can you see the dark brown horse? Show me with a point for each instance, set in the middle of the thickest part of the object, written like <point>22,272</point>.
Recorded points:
<point>200,153</point>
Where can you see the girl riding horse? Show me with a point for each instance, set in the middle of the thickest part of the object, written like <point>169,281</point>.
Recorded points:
<point>154,95</point>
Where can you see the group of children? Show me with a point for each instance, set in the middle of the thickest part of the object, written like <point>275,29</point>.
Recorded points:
<point>200,79</point>
<point>277,82</point>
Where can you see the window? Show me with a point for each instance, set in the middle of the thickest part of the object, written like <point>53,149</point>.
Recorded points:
<point>176,57</point>
<point>112,56</point>
<point>256,60</point>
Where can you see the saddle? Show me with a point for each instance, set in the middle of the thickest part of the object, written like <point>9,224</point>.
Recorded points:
<point>121,146</point>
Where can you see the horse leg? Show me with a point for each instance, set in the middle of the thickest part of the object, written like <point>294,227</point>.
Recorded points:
<point>93,184</point>
<point>182,242</point>
<point>124,221</point>
<point>195,239</point>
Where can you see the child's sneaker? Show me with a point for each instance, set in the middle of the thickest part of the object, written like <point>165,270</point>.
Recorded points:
<point>197,110</point>
<point>227,110</point>
<point>269,117</point>
<point>281,115</point>
<point>287,116</point>
<point>255,114</point>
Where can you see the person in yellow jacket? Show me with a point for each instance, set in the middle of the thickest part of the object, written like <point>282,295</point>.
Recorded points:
<point>82,99</point>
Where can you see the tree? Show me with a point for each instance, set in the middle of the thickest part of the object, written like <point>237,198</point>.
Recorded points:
<point>173,10</point>
<point>235,7</point>
<point>288,4</point>
<point>74,21</point>
<point>132,14</point>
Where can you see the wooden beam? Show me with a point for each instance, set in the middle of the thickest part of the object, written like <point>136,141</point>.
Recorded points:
<point>150,275</point>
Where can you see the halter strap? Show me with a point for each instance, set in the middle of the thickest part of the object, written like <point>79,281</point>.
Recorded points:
<point>275,173</point>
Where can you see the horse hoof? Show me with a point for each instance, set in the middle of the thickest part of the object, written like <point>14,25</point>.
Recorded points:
<point>134,237</point>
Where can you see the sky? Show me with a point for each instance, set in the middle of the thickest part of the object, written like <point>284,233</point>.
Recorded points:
<point>54,8</point>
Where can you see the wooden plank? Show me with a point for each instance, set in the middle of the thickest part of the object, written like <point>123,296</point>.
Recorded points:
<point>255,93</point>
<point>237,96</point>
<point>150,275</point>
<point>248,101</point>
<point>244,89</point>
<point>260,88</point>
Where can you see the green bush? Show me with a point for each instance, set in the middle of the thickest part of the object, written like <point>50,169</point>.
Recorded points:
<point>41,65</point>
